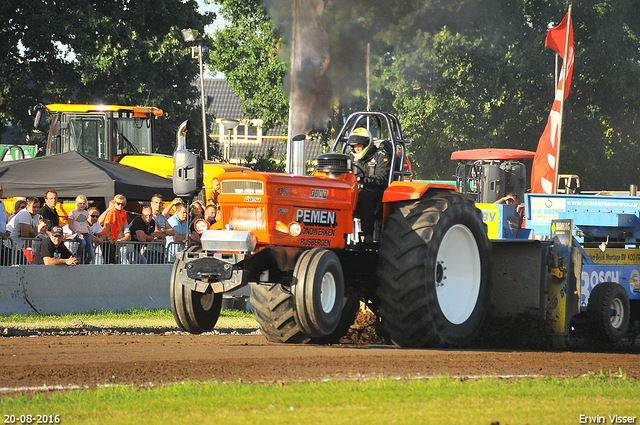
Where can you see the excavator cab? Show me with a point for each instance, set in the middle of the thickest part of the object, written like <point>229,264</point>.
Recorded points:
<point>104,131</point>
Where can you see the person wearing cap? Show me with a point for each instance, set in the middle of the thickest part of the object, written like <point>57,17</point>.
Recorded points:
<point>53,251</point>
<point>372,167</point>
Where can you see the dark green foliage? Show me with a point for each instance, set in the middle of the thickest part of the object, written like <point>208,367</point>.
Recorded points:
<point>464,75</point>
<point>459,74</point>
<point>114,52</point>
<point>265,162</point>
<point>247,52</point>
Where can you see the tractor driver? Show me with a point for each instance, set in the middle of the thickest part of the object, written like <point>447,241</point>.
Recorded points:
<point>372,167</point>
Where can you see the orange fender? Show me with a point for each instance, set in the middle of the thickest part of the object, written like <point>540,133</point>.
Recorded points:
<point>406,191</point>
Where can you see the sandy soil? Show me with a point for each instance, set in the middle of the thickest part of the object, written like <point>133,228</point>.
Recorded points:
<point>92,358</point>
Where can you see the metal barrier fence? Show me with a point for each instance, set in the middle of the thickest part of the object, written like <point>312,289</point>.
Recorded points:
<point>106,253</point>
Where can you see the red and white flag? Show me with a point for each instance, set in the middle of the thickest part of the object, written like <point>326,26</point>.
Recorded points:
<point>544,172</point>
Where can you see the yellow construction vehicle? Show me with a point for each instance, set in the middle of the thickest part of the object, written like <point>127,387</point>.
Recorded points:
<point>118,133</point>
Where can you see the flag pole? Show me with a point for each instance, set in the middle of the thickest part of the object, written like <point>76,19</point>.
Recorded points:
<point>565,71</point>
<point>555,74</point>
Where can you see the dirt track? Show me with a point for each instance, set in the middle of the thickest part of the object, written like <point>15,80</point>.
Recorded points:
<point>172,357</point>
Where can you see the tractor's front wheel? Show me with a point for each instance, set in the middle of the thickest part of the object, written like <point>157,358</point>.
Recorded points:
<point>318,291</point>
<point>434,272</point>
<point>194,312</point>
<point>310,308</point>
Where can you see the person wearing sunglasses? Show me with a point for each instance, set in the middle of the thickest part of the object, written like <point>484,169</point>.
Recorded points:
<point>97,231</point>
<point>18,206</point>
<point>114,223</point>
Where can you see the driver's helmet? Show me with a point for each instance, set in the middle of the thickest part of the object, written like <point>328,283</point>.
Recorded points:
<point>361,136</point>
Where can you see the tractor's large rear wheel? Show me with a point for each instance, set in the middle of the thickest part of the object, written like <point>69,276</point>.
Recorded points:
<point>434,272</point>
<point>194,312</point>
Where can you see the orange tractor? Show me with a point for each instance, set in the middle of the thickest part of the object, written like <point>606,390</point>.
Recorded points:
<point>296,241</point>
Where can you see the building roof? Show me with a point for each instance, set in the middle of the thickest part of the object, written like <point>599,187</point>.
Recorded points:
<point>222,102</point>
<point>220,99</point>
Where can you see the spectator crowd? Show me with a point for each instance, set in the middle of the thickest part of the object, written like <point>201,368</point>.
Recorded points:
<point>33,234</point>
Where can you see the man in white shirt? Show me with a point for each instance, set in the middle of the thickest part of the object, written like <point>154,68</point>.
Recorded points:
<point>26,222</point>
<point>162,223</point>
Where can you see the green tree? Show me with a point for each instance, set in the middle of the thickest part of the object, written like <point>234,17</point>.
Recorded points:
<point>265,162</point>
<point>489,83</point>
<point>601,133</point>
<point>119,52</point>
<point>463,75</point>
<point>247,52</point>
<point>454,92</point>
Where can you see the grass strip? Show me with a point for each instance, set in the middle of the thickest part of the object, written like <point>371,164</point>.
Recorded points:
<point>439,401</point>
<point>126,319</point>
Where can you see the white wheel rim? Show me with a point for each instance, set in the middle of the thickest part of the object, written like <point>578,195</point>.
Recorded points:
<point>617,313</point>
<point>328,292</point>
<point>458,274</point>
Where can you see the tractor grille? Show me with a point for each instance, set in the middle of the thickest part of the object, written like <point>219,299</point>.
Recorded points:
<point>247,218</point>
<point>242,187</point>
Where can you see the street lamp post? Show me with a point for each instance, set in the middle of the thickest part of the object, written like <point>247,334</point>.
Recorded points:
<point>229,124</point>
<point>192,35</point>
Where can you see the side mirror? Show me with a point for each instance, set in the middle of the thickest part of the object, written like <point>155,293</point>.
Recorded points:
<point>36,120</point>
<point>187,171</point>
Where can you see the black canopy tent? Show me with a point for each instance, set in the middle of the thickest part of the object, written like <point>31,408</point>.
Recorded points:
<point>73,173</point>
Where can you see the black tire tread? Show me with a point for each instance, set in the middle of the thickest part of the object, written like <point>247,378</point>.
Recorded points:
<point>276,315</point>
<point>299,276</point>
<point>175,287</point>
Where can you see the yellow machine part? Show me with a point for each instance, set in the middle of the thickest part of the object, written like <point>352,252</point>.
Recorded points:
<point>162,165</point>
<point>138,111</point>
